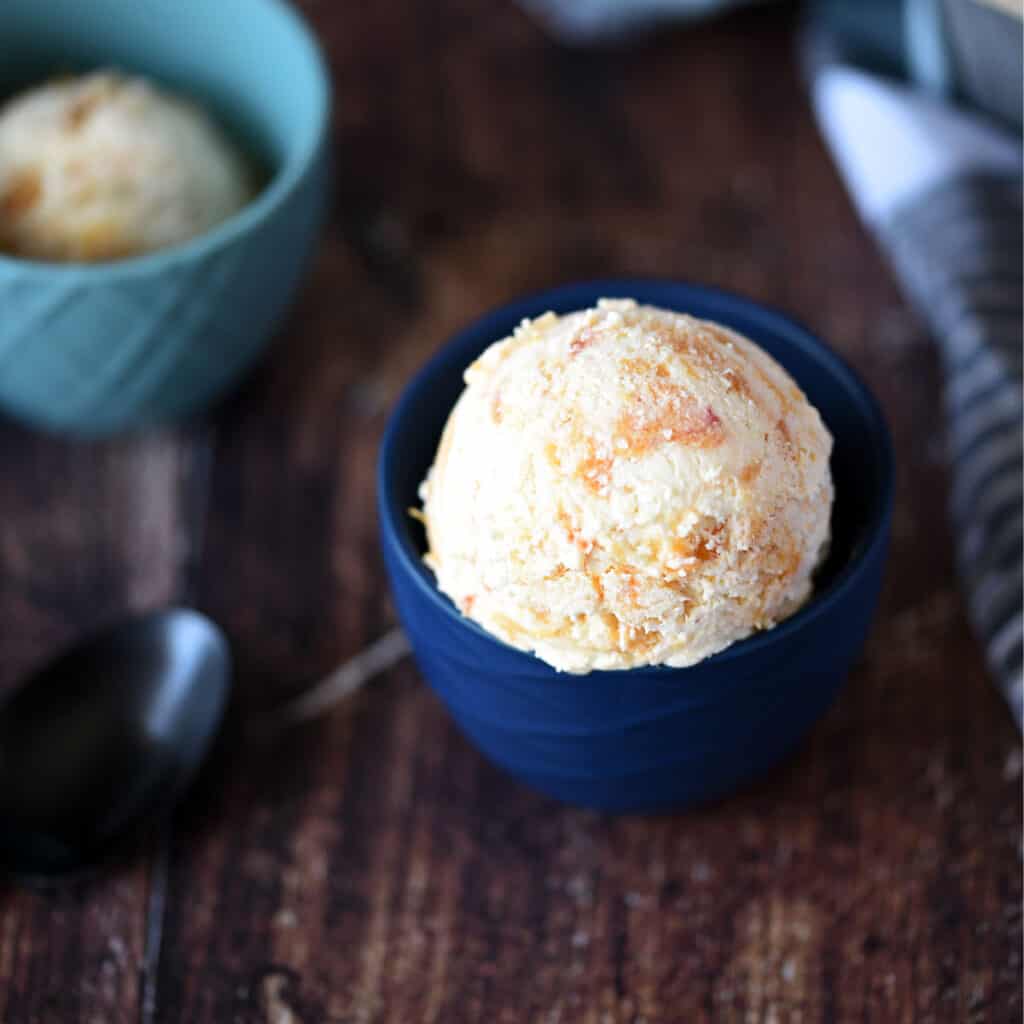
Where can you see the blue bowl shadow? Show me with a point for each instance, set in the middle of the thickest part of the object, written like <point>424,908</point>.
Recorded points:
<point>653,738</point>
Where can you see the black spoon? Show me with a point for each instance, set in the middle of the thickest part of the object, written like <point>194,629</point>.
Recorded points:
<point>107,736</point>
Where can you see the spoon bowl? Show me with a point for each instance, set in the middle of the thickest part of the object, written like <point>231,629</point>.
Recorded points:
<point>107,736</point>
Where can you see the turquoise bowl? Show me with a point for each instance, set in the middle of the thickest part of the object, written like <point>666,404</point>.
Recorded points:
<point>94,349</point>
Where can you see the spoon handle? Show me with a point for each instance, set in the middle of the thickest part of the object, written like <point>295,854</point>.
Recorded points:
<point>344,681</point>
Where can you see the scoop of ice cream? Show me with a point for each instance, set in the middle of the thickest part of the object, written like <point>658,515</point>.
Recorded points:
<point>627,486</point>
<point>105,167</point>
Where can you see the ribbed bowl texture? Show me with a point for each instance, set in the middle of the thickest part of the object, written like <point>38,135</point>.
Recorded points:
<point>93,349</point>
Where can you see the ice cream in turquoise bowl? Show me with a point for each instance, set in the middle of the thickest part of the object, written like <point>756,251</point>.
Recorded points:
<point>100,334</point>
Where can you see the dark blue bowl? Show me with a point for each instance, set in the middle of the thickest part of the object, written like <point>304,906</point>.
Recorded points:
<point>649,738</point>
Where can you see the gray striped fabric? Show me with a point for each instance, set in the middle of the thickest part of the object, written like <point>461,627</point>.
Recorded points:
<point>958,250</point>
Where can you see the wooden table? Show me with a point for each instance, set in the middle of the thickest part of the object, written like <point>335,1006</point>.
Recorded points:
<point>373,867</point>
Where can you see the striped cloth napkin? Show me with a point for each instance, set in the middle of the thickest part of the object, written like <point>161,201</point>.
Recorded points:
<point>940,188</point>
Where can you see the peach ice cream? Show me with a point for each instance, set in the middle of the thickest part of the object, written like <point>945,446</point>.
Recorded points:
<point>105,167</point>
<point>627,486</point>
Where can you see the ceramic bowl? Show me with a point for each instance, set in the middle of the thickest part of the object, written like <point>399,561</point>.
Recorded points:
<point>91,349</point>
<point>650,738</point>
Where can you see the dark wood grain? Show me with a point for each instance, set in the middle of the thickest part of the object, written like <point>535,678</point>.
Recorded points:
<point>86,534</point>
<point>371,867</point>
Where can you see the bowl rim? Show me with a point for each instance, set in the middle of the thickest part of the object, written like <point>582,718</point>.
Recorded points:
<point>768,317</point>
<point>278,190</point>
